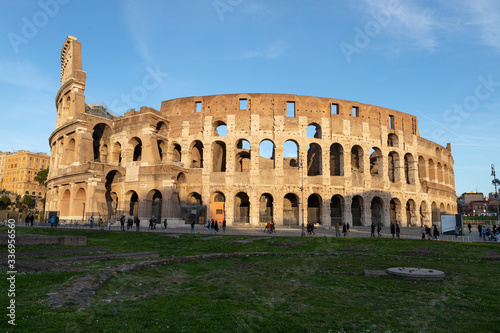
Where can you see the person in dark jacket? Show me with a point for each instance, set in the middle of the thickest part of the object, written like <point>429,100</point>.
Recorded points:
<point>393,230</point>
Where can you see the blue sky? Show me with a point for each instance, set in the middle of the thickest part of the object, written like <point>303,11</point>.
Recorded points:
<point>437,60</point>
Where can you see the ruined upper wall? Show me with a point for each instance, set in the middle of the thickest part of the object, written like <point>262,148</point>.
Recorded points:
<point>271,105</point>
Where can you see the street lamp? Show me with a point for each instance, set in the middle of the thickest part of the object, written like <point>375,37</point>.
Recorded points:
<point>495,182</point>
<point>301,168</point>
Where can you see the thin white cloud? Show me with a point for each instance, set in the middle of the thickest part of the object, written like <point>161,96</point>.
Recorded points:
<point>274,50</point>
<point>23,73</point>
<point>485,14</point>
<point>412,23</point>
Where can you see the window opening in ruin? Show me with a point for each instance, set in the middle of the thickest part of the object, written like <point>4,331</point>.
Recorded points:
<point>290,155</point>
<point>221,130</point>
<point>395,210</point>
<point>375,161</point>
<point>336,210</point>
<point>242,208</point>
<point>197,155</point>
<point>314,160</point>
<point>355,111</point>
<point>414,127</point>
<point>290,109</point>
<point>392,140</point>
<point>243,156</point>
<point>336,160</point>
<point>335,108</point>
<point>314,209</point>
<point>243,103</point>
<point>410,212</point>
<point>266,208</point>
<point>409,169</point>
<point>219,157</point>
<point>391,122</point>
<point>177,153</point>
<point>393,167</point>
<point>314,131</point>
<point>376,208</point>
<point>266,154</point>
<point>290,210</point>
<point>198,107</point>
<point>356,210</point>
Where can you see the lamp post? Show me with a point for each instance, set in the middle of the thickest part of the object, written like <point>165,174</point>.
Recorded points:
<point>495,182</point>
<point>301,168</point>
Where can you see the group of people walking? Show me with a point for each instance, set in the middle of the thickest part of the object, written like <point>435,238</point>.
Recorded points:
<point>211,225</point>
<point>427,232</point>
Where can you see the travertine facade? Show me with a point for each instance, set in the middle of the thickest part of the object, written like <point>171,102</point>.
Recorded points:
<point>246,158</point>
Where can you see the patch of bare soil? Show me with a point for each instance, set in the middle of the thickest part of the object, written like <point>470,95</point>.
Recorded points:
<point>359,248</point>
<point>286,244</point>
<point>421,251</point>
<point>491,255</point>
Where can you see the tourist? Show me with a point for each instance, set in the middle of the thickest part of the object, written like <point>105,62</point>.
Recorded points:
<point>268,224</point>
<point>32,219</point>
<point>393,230</point>
<point>483,232</point>
<point>422,230</point>
<point>137,224</point>
<point>379,228</point>
<point>344,229</point>
<point>101,224</point>
<point>436,233</point>
<point>216,226</point>
<point>91,220</point>
<point>479,229</point>
<point>337,230</point>
<point>130,223</point>
<point>192,226</point>
<point>224,226</point>
<point>348,226</point>
<point>52,221</point>
<point>27,219</point>
<point>398,230</point>
<point>122,222</point>
<point>372,227</point>
<point>469,226</point>
<point>457,231</point>
<point>56,221</point>
<point>165,224</point>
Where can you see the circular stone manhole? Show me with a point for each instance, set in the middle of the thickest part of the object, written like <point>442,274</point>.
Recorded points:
<point>416,273</point>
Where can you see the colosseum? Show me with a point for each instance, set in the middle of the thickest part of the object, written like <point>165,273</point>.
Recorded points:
<point>243,158</point>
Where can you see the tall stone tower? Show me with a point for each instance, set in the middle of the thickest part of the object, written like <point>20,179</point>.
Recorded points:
<point>70,99</point>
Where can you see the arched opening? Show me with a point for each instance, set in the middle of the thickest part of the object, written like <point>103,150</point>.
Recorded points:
<point>176,153</point>
<point>266,211</point>
<point>377,209</point>
<point>117,153</point>
<point>410,212</point>
<point>181,186</point>
<point>218,156</point>
<point>436,216</point>
<point>136,144</point>
<point>439,173</point>
<point>432,171</point>
<point>442,211</point>
<point>395,211</point>
<point>314,131</point>
<point>266,154</point>
<point>409,169</point>
<point>114,181</point>
<point>376,162</point>
<point>393,167</point>
<point>290,154</point>
<point>66,198</point>
<point>154,203</point>
<point>422,174</point>
<point>314,160</point>
<point>290,209</point>
<point>133,206</point>
<point>336,210</point>
<point>217,207</point>
<point>100,136</point>
<point>194,199</point>
<point>162,149</point>
<point>220,128</point>
<point>197,155</point>
<point>162,129</point>
<point>336,160</point>
<point>314,209</point>
<point>423,213</point>
<point>242,208</point>
<point>71,152</point>
<point>448,209</point>
<point>392,140</point>
<point>243,156</point>
<point>79,204</point>
<point>356,210</point>
<point>357,158</point>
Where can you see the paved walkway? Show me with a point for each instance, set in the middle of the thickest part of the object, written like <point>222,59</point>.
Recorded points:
<point>281,231</point>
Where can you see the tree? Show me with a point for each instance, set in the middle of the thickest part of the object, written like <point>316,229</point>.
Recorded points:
<point>4,201</point>
<point>41,176</point>
<point>28,201</point>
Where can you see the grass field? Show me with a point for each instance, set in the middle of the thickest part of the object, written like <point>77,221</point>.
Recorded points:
<point>299,285</point>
